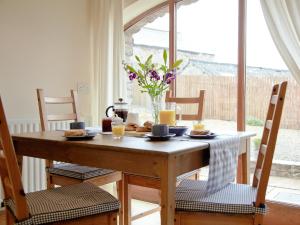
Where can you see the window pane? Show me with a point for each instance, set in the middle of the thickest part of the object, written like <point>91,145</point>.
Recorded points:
<point>149,36</point>
<point>207,42</point>
<point>265,68</point>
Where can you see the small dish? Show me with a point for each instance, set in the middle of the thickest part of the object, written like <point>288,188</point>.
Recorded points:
<point>89,135</point>
<point>105,132</point>
<point>77,138</point>
<point>160,138</point>
<point>178,130</point>
<point>205,136</point>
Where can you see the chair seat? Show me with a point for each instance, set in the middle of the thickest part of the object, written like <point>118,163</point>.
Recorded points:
<point>234,198</point>
<point>68,202</point>
<point>77,171</point>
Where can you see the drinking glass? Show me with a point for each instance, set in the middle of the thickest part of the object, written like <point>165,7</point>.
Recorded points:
<point>168,114</point>
<point>118,130</point>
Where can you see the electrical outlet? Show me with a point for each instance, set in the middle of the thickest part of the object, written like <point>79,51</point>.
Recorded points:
<point>83,88</point>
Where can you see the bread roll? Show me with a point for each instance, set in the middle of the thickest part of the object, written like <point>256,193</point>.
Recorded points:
<point>131,127</point>
<point>148,125</point>
<point>142,129</point>
<point>77,132</point>
<point>199,132</point>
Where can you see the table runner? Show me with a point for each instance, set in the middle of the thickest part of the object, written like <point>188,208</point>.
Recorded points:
<point>222,162</point>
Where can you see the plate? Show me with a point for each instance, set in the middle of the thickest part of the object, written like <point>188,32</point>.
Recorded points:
<point>206,136</point>
<point>88,136</point>
<point>106,132</point>
<point>136,134</point>
<point>159,138</point>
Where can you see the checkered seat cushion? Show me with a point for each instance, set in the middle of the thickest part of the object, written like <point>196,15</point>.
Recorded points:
<point>77,171</point>
<point>234,198</point>
<point>64,203</point>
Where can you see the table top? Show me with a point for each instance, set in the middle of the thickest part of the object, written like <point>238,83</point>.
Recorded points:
<point>134,144</point>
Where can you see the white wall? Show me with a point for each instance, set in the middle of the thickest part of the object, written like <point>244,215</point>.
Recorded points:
<point>43,44</point>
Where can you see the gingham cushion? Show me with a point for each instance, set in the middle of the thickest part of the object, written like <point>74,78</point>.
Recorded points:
<point>234,198</point>
<point>77,171</point>
<point>64,203</point>
<point>187,175</point>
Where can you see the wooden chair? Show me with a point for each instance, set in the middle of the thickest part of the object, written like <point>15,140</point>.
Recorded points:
<point>95,206</point>
<point>196,100</point>
<point>65,173</point>
<point>147,188</point>
<point>236,204</point>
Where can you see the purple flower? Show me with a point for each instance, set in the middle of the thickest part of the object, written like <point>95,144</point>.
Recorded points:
<point>169,77</point>
<point>154,75</point>
<point>132,76</point>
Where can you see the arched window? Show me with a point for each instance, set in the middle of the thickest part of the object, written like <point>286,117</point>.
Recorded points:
<point>207,41</point>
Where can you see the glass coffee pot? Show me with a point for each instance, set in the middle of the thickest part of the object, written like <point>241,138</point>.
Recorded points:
<point>120,108</point>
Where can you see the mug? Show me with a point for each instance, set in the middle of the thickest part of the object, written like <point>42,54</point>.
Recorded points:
<point>160,130</point>
<point>77,125</point>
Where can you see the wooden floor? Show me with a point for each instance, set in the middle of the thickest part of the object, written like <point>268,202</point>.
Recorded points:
<point>278,215</point>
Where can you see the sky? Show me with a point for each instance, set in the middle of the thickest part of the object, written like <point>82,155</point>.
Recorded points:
<point>203,27</point>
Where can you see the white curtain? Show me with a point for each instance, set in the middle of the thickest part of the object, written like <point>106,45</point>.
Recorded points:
<point>283,20</point>
<point>107,50</point>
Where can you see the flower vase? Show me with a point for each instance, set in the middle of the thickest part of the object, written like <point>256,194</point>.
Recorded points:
<point>156,107</point>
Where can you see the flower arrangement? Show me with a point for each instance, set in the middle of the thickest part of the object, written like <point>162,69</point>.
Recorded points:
<point>153,78</point>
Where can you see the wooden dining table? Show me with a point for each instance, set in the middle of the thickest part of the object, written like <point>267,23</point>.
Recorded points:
<point>164,160</point>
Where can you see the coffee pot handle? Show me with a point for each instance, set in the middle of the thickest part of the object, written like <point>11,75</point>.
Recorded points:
<point>108,108</point>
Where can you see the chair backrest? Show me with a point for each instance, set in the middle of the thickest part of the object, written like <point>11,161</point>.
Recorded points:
<point>196,100</point>
<point>9,170</point>
<point>268,142</point>
<point>45,117</point>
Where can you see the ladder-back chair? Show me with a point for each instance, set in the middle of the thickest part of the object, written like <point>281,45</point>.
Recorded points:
<point>236,204</point>
<point>96,205</point>
<point>148,189</point>
<point>66,173</point>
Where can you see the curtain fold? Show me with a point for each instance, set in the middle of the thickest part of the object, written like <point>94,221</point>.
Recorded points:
<point>283,20</point>
<point>107,51</point>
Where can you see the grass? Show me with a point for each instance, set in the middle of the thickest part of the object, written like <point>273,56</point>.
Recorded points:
<point>252,121</point>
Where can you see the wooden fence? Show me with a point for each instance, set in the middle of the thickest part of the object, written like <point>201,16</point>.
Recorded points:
<point>221,97</point>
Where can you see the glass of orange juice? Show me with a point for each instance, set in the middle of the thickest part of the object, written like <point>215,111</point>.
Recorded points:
<point>168,115</point>
<point>118,130</point>
<point>198,125</point>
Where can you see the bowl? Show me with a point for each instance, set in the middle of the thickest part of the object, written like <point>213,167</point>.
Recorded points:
<point>178,130</point>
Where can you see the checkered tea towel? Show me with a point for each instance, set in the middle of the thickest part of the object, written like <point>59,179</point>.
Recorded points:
<point>222,163</point>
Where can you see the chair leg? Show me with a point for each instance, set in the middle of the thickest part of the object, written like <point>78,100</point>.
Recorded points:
<point>113,219</point>
<point>177,219</point>
<point>258,219</point>
<point>10,219</point>
<point>49,164</point>
<point>127,201</point>
<point>120,190</point>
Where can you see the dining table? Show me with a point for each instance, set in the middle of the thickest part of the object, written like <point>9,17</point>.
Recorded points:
<point>135,155</point>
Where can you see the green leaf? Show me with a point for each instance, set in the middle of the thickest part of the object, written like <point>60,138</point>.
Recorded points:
<point>131,69</point>
<point>165,56</point>
<point>137,58</point>
<point>142,66</point>
<point>149,60</point>
<point>177,63</point>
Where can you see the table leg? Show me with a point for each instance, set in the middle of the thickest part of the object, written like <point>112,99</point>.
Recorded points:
<point>20,163</point>
<point>243,171</point>
<point>126,201</point>
<point>168,188</point>
<point>246,163</point>
<point>120,188</point>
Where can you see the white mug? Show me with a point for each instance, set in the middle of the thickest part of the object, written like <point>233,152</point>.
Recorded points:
<point>133,118</point>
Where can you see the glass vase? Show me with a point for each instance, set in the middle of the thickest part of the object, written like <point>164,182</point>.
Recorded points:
<point>156,107</point>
